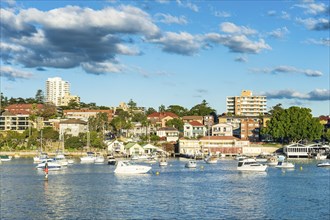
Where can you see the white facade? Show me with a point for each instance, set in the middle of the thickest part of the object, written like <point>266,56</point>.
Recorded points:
<point>222,129</point>
<point>171,134</point>
<point>73,127</point>
<point>56,89</point>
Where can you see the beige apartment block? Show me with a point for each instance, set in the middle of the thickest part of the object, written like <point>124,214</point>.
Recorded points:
<point>247,104</point>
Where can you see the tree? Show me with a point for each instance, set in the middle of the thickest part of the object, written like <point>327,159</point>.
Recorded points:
<point>49,111</point>
<point>201,109</point>
<point>150,111</point>
<point>131,104</point>
<point>175,122</point>
<point>178,110</point>
<point>161,108</point>
<point>39,97</point>
<point>293,124</point>
<point>326,135</point>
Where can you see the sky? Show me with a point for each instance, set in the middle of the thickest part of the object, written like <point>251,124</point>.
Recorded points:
<point>165,52</point>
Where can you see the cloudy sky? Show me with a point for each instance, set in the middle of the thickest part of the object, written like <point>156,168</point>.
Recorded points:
<point>169,52</point>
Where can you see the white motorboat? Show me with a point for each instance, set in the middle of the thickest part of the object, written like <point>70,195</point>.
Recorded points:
<point>191,164</point>
<point>285,165</point>
<point>211,159</point>
<point>321,157</point>
<point>99,159</point>
<point>111,160</point>
<point>324,164</point>
<point>250,164</point>
<point>5,158</point>
<point>89,158</point>
<point>125,167</point>
<point>52,165</point>
<point>163,162</point>
<point>272,161</point>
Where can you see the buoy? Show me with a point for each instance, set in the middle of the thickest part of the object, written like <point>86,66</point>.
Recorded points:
<point>157,173</point>
<point>301,168</point>
<point>202,167</point>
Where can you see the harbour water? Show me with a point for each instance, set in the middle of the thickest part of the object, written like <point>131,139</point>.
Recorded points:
<point>211,191</point>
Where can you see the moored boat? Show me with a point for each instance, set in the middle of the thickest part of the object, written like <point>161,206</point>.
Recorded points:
<point>211,159</point>
<point>5,158</point>
<point>52,165</point>
<point>89,158</point>
<point>125,167</point>
<point>191,164</point>
<point>285,165</point>
<point>324,164</point>
<point>250,164</point>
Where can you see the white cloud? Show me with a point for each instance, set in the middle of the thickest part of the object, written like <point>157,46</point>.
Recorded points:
<point>180,43</point>
<point>189,5</point>
<point>101,68</point>
<point>13,74</point>
<point>289,69</point>
<point>324,41</point>
<point>169,19</point>
<point>315,95</point>
<point>279,32</point>
<point>319,24</point>
<point>231,28</point>
<point>222,14</point>
<point>238,43</point>
<point>314,8</point>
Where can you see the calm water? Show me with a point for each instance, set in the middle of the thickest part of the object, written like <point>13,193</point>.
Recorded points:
<point>212,191</point>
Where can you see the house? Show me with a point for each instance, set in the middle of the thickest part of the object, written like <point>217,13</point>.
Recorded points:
<point>227,145</point>
<point>194,129</point>
<point>84,114</point>
<point>115,146</point>
<point>170,134</point>
<point>73,127</point>
<point>222,129</point>
<point>134,149</point>
<point>187,119</point>
<point>159,119</point>
<point>25,109</point>
<point>151,149</point>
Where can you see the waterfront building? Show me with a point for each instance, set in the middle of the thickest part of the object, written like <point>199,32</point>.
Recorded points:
<point>73,127</point>
<point>115,146</point>
<point>194,129</point>
<point>247,104</point>
<point>13,122</point>
<point>134,149</point>
<point>168,134</point>
<point>222,129</point>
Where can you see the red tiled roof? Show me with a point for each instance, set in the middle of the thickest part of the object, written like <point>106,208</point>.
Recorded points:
<point>162,115</point>
<point>219,138</point>
<point>192,117</point>
<point>196,124</point>
<point>23,109</point>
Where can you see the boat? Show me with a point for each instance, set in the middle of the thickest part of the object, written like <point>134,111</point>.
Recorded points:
<point>211,159</point>
<point>250,164</point>
<point>41,156</point>
<point>324,164</point>
<point>320,156</point>
<point>5,158</point>
<point>89,158</point>
<point>163,162</point>
<point>99,159</point>
<point>60,158</point>
<point>272,161</point>
<point>52,165</point>
<point>111,160</point>
<point>191,164</point>
<point>285,165</point>
<point>125,167</point>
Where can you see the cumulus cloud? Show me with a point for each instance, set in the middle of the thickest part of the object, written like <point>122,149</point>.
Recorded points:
<point>314,8</point>
<point>189,5</point>
<point>231,28</point>
<point>180,43</point>
<point>169,19</point>
<point>316,24</point>
<point>73,36</point>
<point>289,69</point>
<point>315,95</point>
<point>279,32</point>
<point>323,41</point>
<point>13,74</point>
<point>238,43</point>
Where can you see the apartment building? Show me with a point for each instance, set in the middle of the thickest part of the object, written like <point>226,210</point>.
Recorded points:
<point>58,92</point>
<point>12,122</point>
<point>247,104</point>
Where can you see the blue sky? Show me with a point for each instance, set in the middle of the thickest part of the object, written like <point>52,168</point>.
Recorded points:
<point>169,52</point>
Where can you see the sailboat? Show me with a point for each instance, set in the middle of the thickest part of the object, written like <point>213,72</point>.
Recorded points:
<point>41,156</point>
<point>90,156</point>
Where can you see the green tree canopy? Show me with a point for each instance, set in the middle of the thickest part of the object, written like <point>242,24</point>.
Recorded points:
<point>293,124</point>
<point>201,109</point>
<point>178,110</point>
<point>175,122</point>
